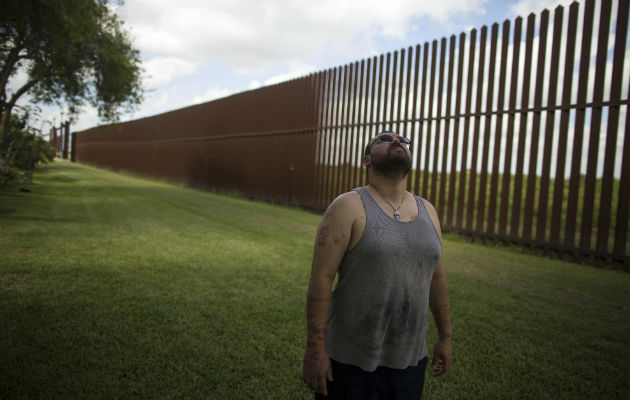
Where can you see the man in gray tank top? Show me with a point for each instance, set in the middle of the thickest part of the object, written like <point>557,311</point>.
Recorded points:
<point>366,338</point>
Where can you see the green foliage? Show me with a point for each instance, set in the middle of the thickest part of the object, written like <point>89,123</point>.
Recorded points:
<point>73,52</point>
<point>115,287</point>
<point>22,148</point>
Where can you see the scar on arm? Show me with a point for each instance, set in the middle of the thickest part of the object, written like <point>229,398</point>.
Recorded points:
<point>322,236</point>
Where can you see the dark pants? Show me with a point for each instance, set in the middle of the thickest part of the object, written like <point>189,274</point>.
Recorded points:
<point>353,383</point>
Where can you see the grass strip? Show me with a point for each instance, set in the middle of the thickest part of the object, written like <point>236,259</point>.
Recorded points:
<point>112,286</point>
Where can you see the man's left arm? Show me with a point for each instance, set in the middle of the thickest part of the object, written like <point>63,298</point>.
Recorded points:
<point>440,305</point>
<point>441,309</point>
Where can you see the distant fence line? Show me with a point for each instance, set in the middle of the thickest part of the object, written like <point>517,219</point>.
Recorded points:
<point>60,140</point>
<point>498,159</point>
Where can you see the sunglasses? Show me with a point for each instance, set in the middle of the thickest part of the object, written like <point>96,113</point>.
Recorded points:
<point>386,138</point>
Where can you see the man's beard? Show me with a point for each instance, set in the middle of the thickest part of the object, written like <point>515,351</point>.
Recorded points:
<point>395,164</point>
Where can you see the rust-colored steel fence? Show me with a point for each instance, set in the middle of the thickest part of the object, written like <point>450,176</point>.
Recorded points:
<point>519,132</point>
<point>261,143</point>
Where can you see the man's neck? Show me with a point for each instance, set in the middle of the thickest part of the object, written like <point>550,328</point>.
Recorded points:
<point>391,188</point>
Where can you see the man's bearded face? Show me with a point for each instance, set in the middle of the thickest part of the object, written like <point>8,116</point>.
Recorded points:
<point>391,160</point>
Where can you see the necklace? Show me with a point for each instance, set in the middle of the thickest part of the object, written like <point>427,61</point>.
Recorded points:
<point>396,213</point>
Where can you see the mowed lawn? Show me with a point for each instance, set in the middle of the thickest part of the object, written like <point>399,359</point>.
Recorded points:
<point>116,287</point>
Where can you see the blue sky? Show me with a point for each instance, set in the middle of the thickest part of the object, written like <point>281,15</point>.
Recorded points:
<point>195,51</point>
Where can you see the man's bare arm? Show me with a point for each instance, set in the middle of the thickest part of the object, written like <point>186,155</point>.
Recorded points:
<point>439,302</point>
<point>331,243</point>
<point>441,309</point>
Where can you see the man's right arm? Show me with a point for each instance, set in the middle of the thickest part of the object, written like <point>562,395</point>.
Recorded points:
<point>331,243</point>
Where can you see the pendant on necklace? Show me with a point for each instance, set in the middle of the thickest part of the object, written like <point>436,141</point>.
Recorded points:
<point>396,216</point>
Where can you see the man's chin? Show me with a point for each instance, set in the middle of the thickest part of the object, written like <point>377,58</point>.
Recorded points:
<point>397,171</point>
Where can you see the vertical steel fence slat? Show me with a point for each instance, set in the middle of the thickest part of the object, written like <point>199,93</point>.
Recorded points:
<point>451,223</point>
<point>511,117</point>
<point>498,134</point>
<point>414,134</point>
<point>347,153</point>
<point>603,226</point>
<point>354,127</point>
<point>483,179</point>
<point>518,177</point>
<point>543,198</point>
<point>334,126</point>
<point>438,136</point>
<point>423,118</point>
<point>338,133</point>
<point>296,167</point>
<point>323,107</point>
<point>425,176</point>
<point>372,115</point>
<point>620,246</point>
<point>345,129</point>
<point>318,131</point>
<point>392,98</point>
<point>405,131</point>
<point>417,117</point>
<point>379,95</point>
<point>325,128</point>
<point>360,128</point>
<point>463,174</point>
<point>366,117</point>
<point>330,133</point>
<point>341,133</point>
<point>401,81</point>
<point>309,184</point>
<point>450,210</point>
<point>578,134</point>
<point>565,113</point>
<point>385,98</point>
<point>294,162</point>
<point>472,184</point>
<point>623,202</point>
<point>594,135</point>
<point>528,220</point>
<point>447,134</point>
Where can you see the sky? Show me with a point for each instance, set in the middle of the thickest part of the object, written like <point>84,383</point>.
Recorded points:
<point>194,51</point>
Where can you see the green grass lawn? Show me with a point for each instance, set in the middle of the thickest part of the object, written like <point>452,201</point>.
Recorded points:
<point>115,287</point>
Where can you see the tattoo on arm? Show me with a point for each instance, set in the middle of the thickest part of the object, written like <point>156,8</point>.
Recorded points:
<point>322,236</point>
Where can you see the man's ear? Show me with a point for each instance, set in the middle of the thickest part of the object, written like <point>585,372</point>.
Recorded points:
<point>366,161</point>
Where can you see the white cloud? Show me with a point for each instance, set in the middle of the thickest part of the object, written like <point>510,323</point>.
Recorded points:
<point>210,94</point>
<point>523,8</point>
<point>296,70</point>
<point>159,71</point>
<point>257,35</point>
<point>87,119</point>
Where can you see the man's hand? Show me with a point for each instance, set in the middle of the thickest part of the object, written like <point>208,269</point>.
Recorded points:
<point>442,356</point>
<point>316,370</point>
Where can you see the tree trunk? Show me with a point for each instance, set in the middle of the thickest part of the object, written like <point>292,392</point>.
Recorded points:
<point>4,123</point>
<point>8,107</point>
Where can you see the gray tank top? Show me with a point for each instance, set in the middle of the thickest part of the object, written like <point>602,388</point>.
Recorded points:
<point>379,309</point>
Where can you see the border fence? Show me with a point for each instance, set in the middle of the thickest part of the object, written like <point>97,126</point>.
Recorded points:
<point>520,132</point>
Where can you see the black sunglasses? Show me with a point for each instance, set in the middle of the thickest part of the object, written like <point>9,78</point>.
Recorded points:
<point>387,138</point>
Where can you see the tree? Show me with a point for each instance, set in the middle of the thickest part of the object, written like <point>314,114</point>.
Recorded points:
<point>73,52</point>
<point>23,147</point>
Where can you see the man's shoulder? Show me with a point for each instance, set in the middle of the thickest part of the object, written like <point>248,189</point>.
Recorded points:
<point>347,205</point>
<point>432,214</point>
<point>348,200</point>
<point>428,205</point>
<point>351,196</point>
